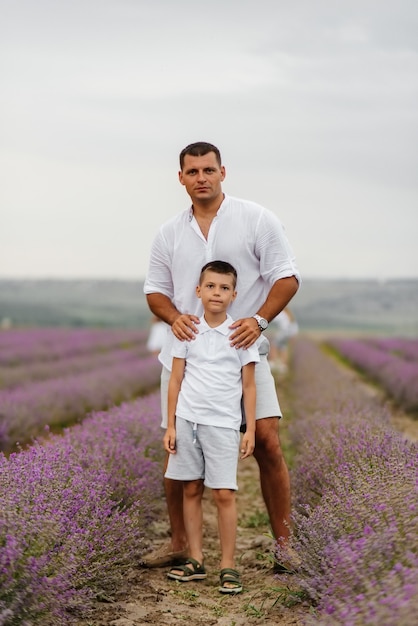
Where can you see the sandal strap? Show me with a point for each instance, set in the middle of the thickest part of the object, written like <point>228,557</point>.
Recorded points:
<point>196,564</point>
<point>182,568</point>
<point>230,575</point>
<point>196,567</point>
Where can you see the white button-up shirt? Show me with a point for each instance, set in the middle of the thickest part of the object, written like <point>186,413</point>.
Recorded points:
<point>211,389</point>
<point>243,233</point>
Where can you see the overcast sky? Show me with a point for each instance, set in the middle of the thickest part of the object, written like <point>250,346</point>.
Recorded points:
<point>313,104</point>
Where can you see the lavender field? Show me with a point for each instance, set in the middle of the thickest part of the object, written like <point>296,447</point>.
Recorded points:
<point>53,377</point>
<point>390,362</point>
<point>76,507</point>
<point>355,492</point>
<point>74,513</point>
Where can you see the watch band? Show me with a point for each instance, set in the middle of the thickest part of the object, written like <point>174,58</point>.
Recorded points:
<point>261,321</point>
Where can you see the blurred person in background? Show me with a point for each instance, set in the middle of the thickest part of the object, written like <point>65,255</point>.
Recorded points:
<point>253,240</point>
<point>157,335</point>
<point>282,329</point>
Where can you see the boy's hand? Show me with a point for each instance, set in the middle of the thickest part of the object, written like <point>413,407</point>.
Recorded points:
<point>247,445</point>
<point>169,440</point>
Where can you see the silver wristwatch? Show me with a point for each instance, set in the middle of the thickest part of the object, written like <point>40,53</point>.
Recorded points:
<point>262,323</point>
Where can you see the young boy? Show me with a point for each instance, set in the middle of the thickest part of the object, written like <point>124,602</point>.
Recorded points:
<point>208,379</point>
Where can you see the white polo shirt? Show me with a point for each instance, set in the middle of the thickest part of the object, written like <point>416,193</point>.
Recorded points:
<point>211,389</point>
<point>243,233</point>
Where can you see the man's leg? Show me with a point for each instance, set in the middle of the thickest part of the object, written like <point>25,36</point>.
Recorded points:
<point>274,476</point>
<point>176,548</point>
<point>173,488</point>
<point>174,499</point>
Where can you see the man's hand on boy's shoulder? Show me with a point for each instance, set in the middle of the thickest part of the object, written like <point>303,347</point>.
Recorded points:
<point>245,332</point>
<point>184,327</point>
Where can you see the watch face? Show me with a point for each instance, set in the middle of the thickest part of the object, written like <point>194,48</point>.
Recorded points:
<point>263,323</point>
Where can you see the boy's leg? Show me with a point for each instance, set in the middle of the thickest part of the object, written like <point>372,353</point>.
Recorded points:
<point>227,524</point>
<point>187,467</point>
<point>193,517</point>
<point>221,449</point>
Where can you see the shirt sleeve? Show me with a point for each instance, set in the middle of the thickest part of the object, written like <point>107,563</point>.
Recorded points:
<point>159,278</point>
<point>274,250</point>
<point>179,349</point>
<point>250,355</point>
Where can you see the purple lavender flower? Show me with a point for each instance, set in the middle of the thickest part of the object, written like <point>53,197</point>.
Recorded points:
<point>73,513</point>
<point>355,499</point>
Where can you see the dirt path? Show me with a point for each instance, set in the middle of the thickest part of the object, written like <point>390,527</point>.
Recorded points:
<point>151,598</point>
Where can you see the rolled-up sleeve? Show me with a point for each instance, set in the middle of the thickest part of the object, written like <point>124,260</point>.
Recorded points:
<point>159,278</point>
<point>277,259</point>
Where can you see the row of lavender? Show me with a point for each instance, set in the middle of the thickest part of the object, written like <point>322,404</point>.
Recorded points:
<point>355,500</point>
<point>393,363</point>
<point>73,514</point>
<point>53,377</point>
<point>33,371</point>
<point>44,344</point>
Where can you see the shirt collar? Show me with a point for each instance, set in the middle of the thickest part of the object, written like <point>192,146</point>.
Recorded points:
<point>223,328</point>
<point>222,208</point>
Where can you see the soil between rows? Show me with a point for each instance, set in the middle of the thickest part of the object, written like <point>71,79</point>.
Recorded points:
<point>149,597</point>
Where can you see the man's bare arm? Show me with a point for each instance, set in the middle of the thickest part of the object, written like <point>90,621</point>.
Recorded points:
<point>182,325</point>
<point>246,329</point>
<point>279,296</point>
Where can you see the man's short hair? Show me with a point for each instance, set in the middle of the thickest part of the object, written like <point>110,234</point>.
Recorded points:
<point>200,148</point>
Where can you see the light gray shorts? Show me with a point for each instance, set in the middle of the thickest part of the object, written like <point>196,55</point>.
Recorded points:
<point>205,452</point>
<point>267,403</point>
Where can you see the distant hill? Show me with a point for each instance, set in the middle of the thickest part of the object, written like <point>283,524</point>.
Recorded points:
<point>358,306</point>
<point>381,307</point>
<point>53,302</point>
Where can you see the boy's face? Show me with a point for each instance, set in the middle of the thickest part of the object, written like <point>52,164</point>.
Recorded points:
<point>217,291</point>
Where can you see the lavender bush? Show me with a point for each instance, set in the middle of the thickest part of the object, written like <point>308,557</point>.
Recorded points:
<point>73,514</point>
<point>355,494</point>
<point>33,371</point>
<point>406,348</point>
<point>390,364</point>
<point>24,411</point>
<point>44,344</point>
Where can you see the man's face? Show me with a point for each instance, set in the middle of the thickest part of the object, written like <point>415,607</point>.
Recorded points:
<point>202,176</point>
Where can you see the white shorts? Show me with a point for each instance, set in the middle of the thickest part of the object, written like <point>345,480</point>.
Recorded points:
<point>205,452</point>
<point>267,403</point>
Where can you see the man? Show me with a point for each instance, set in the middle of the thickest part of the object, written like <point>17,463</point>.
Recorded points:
<point>252,239</point>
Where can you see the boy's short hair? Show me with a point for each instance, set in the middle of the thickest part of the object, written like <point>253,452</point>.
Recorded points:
<point>220,267</point>
<point>200,148</point>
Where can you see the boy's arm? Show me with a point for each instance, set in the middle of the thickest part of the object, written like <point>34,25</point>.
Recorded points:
<point>176,377</point>
<point>249,396</point>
